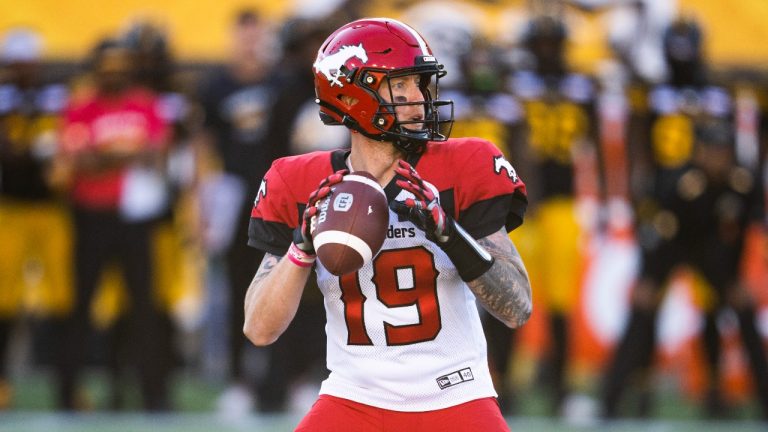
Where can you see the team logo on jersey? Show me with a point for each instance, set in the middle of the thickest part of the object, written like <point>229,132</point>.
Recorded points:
<point>261,193</point>
<point>330,66</point>
<point>499,163</point>
<point>454,378</point>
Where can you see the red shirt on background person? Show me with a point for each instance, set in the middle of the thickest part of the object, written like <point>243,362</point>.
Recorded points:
<point>111,129</point>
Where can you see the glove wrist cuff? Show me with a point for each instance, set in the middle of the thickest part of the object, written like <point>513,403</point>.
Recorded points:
<point>301,243</point>
<point>471,259</point>
<point>299,257</point>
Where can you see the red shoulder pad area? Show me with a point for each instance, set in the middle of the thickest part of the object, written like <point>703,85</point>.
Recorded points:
<point>486,189</point>
<point>474,167</point>
<point>282,196</point>
<point>288,184</point>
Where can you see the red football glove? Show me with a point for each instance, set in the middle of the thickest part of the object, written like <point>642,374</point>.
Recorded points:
<point>471,259</point>
<point>424,210</point>
<point>302,235</point>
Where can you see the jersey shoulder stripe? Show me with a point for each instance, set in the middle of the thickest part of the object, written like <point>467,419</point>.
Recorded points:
<point>487,192</point>
<point>282,197</point>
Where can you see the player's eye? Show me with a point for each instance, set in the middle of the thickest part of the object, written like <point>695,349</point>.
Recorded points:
<point>398,84</point>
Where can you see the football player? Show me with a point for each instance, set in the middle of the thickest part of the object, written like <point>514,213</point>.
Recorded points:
<point>684,206</point>
<point>34,267</point>
<point>557,147</point>
<point>405,346</point>
<point>113,142</point>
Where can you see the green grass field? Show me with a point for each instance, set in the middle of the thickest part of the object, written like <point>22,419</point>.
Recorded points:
<point>195,401</point>
<point>196,422</point>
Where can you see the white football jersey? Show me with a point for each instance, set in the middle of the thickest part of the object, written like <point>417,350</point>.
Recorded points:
<point>408,317</point>
<point>404,331</point>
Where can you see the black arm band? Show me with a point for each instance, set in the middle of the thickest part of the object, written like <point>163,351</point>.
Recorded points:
<point>471,259</point>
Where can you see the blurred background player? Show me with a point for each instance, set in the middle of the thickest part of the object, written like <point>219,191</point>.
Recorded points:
<point>172,245</point>
<point>688,211</point>
<point>35,273</point>
<point>114,143</point>
<point>237,102</point>
<point>485,108</point>
<point>554,147</point>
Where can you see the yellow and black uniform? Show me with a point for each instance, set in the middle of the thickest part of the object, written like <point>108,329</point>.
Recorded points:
<point>559,128</point>
<point>35,276</point>
<point>686,216</point>
<point>662,143</point>
<point>558,133</point>
<point>494,114</point>
<point>34,271</point>
<point>665,147</point>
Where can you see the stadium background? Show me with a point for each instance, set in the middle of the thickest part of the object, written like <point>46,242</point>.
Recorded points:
<point>198,31</point>
<point>199,28</point>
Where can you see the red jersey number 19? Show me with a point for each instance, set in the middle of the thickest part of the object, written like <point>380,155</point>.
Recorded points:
<point>403,278</point>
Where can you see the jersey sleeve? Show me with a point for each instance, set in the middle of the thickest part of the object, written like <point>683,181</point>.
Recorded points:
<point>274,215</point>
<point>493,195</point>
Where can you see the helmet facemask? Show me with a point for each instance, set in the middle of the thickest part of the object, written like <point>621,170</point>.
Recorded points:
<point>410,135</point>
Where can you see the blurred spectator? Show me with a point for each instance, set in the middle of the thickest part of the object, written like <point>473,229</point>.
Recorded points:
<point>238,101</point>
<point>34,269</point>
<point>176,239</point>
<point>114,143</point>
<point>556,152</point>
<point>693,204</point>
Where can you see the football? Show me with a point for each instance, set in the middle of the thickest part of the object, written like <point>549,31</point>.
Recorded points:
<point>351,223</point>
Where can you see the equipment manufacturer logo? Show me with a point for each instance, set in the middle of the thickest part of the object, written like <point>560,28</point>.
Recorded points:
<point>330,65</point>
<point>455,378</point>
<point>343,202</point>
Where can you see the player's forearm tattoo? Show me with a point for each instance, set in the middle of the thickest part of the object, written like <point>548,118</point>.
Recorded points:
<point>267,264</point>
<point>504,290</point>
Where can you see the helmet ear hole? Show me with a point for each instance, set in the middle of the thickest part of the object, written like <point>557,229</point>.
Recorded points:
<point>347,100</point>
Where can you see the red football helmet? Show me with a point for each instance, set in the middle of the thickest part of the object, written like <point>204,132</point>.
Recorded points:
<point>356,59</point>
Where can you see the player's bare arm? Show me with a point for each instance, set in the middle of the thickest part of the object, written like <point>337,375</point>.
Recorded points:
<point>504,290</point>
<point>273,298</point>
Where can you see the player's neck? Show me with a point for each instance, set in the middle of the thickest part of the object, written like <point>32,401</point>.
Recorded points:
<point>376,157</point>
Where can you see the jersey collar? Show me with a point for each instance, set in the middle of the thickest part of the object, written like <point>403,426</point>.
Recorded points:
<point>338,162</point>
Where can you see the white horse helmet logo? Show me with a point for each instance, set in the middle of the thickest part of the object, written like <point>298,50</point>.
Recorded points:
<point>330,65</point>
<point>499,163</point>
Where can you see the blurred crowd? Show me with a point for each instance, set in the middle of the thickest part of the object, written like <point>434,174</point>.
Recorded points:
<point>126,180</point>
